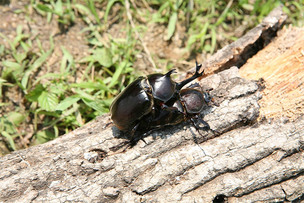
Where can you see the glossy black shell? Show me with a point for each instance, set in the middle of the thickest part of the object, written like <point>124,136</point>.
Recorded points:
<point>131,104</point>
<point>163,87</point>
<point>137,99</point>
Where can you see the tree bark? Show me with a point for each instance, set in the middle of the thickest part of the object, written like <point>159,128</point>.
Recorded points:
<point>250,160</point>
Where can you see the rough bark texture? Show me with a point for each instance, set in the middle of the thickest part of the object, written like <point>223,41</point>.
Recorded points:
<point>248,161</point>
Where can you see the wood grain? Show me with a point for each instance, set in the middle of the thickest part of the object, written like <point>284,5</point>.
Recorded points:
<point>281,65</point>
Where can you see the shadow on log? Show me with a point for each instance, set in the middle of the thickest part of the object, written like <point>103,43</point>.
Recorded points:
<point>250,160</point>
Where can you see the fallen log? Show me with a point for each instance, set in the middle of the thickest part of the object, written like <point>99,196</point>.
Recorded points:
<point>255,158</point>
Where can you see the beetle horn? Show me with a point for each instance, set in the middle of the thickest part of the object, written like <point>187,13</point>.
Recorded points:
<point>170,72</point>
<point>181,84</point>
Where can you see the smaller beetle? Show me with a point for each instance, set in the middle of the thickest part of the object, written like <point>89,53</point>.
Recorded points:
<point>143,97</point>
<point>189,106</point>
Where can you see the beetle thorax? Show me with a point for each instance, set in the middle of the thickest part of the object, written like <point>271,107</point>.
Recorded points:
<point>193,100</point>
<point>163,88</point>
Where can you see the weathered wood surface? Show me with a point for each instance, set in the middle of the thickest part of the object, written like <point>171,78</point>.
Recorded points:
<point>281,65</point>
<point>249,161</point>
<point>262,161</point>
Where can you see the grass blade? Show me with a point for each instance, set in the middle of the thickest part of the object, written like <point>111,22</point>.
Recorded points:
<point>171,25</point>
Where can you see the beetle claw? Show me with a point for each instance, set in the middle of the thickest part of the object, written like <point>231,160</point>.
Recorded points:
<point>107,124</point>
<point>198,66</point>
<point>143,140</point>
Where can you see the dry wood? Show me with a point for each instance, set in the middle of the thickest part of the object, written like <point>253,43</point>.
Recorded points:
<point>249,161</point>
<point>281,65</point>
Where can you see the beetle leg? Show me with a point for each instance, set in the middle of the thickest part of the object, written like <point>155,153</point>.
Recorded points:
<point>194,85</point>
<point>107,124</point>
<point>196,126</point>
<point>135,139</point>
<point>205,127</point>
<point>132,132</point>
<point>181,84</point>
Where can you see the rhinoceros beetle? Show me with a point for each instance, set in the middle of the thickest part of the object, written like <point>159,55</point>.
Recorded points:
<point>188,106</point>
<point>156,100</point>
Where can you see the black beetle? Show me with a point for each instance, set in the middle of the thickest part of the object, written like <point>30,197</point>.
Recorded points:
<point>144,97</point>
<point>188,106</point>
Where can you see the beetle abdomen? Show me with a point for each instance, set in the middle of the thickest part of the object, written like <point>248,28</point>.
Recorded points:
<point>131,105</point>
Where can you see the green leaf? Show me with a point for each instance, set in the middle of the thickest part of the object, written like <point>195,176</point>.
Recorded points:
<point>7,126</point>
<point>67,57</point>
<point>117,74</point>
<point>84,95</point>
<point>33,95</point>
<point>57,88</point>
<point>82,9</point>
<point>11,69</point>
<point>248,7</point>
<point>91,85</point>
<point>67,102</point>
<point>9,139</point>
<point>109,6</point>
<point>48,101</point>
<point>97,105</point>
<point>201,36</point>
<point>58,7</point>
<point>16,118</point>
<point>93,11</point>
<point>11,65</point>
<point>213,39</point>
<point>224,14</point>
<point>103,56</point>
<point>171,25</point>
<point>44,136</point>
<point>44,8</point>
<point>36,65</point>
<point>2,81</point>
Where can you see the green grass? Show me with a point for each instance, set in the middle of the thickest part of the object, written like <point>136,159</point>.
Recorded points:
<point>56,103</point>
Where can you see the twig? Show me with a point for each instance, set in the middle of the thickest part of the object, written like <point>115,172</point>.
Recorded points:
<point>127,5</point>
